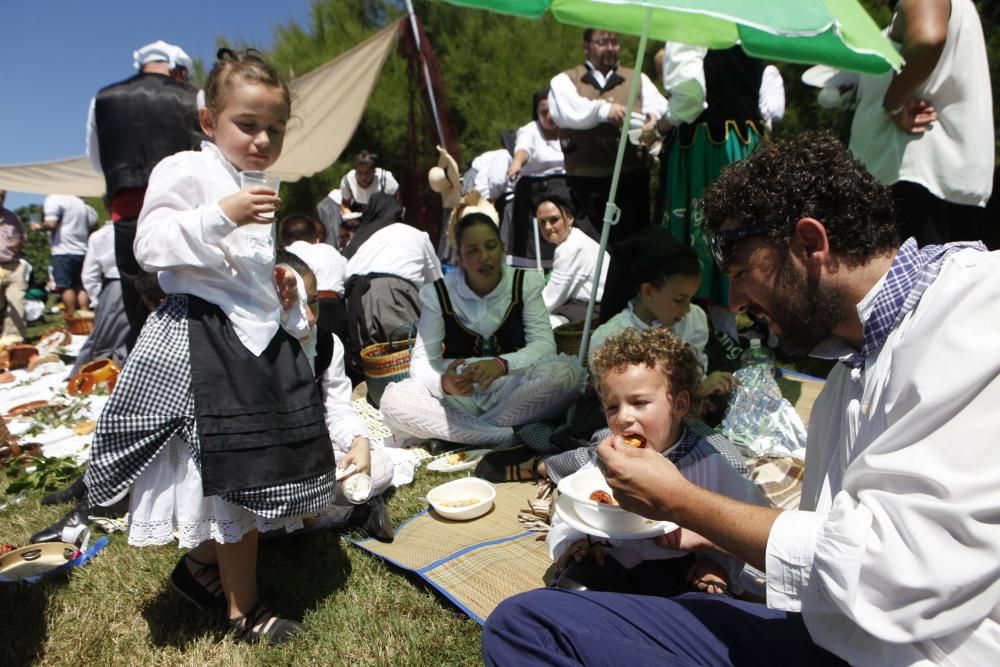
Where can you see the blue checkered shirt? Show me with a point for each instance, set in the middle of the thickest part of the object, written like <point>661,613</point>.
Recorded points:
<point>912,271</point>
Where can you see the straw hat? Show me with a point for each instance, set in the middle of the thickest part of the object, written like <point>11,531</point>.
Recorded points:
<point>473,202</point>
<point>444,179</point>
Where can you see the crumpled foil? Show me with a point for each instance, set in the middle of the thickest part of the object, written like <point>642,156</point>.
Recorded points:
<point>759,418</point>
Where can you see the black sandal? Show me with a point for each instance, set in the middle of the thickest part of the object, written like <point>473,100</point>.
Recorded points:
<point>260,624</point>
<point>507,465</point>
<point>187,584</point>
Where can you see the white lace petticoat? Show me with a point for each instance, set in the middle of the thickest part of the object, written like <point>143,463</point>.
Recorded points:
<point>167,503</point>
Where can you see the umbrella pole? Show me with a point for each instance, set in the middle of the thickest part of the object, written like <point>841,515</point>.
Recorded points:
<point>538,246</point>
<point>427,72</point>
<point>611,212</point>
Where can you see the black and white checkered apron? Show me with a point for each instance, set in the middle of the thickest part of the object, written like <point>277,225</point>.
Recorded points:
<point>154,400</point>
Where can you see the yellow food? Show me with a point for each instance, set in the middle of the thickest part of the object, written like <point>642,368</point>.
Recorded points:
<point>85,427</point>
<point>456,458</point>
<point>465,502</point>
<point>634,440</point>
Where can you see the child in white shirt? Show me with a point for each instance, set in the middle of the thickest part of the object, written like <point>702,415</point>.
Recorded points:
<point>648,382</point>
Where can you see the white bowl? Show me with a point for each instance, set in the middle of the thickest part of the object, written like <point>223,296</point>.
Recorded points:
<point>609,518</point>
<point>459,490</point>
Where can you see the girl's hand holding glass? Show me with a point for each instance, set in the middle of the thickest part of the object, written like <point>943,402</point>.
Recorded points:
<point>250,205</point>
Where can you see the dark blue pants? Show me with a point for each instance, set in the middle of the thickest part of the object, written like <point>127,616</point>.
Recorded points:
<point>558,627</point>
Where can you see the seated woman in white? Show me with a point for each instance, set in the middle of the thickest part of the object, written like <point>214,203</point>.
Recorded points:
<point>485,359</point>
<point>574,264</point>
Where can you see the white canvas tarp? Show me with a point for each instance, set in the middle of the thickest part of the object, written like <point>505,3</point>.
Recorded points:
<point>328,103</point>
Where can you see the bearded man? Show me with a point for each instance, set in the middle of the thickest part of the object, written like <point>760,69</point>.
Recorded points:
<point>891,557</point>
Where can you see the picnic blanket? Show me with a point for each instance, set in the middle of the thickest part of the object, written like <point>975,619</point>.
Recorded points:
<point>475,564</point>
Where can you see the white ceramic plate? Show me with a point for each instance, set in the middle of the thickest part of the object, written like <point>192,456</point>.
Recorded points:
<point>472,456</point>
<point>650,528</point>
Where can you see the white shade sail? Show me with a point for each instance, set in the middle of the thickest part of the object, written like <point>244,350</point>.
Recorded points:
<point>327,105</point>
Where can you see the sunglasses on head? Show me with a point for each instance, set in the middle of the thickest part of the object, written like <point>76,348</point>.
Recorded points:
<point>723,242</point>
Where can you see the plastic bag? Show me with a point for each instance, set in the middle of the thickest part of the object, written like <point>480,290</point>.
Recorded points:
<point>759,418</point>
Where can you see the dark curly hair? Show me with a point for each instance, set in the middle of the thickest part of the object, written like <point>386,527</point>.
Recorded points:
<point>810,175</point>
<point>657,348</point>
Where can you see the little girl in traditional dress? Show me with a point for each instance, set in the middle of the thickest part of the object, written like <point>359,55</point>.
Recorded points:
<point>216,421</point>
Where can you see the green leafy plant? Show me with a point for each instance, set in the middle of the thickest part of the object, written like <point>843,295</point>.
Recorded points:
<point>48,473</point>
<point>63,410</point>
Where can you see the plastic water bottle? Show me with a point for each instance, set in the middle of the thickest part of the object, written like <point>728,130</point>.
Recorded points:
<point>756,354</point>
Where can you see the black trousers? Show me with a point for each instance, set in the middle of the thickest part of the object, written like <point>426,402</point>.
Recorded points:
<point>135,310</point>
<point>932,220</point>
<point>632,198</point>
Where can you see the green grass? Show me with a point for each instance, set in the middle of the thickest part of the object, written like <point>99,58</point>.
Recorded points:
<point>120,610</point>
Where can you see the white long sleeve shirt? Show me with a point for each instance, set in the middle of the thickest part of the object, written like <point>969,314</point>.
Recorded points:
<point>92,144</point>
<point>99,263</point>
<point>684,81</point>
<point>573,266</point>
<point>482,315</point>
<point>342,418</point>
<point>894,556</point>
<point>571,111</point>
<point>545,156</point>
<point>328,265</point>
<point>692,329</point>
<point>184,235</point>
<point>398,249</point>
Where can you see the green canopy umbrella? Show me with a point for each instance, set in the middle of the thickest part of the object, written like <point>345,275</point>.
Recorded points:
<point>839,33</point>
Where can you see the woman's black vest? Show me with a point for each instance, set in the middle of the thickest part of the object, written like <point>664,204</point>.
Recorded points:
<point>461,343</point>
<point>732,92</point>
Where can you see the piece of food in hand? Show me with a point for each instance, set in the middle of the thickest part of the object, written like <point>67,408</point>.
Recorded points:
<point>6,376</point>
<point>603,498</point>
<point>634,440</point>
<point>456,458</point>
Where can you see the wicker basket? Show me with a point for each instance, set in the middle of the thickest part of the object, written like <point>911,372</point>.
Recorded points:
<point>385,363</point>
<point>569,336</point>
<point>81,326</point>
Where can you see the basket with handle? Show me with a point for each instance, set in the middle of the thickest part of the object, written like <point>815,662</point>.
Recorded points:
<point>388,362</point>
<point>569,336</point>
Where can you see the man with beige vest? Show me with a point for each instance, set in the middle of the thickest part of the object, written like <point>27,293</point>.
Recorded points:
<point>588,103</point>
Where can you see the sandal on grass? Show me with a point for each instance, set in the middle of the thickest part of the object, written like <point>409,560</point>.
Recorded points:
<point>261,624</point>
<point>517,464</point>
<point>207,595</point>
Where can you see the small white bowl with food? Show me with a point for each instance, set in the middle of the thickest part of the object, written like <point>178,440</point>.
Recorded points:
<point>594,502</point>
<point>462,499</point>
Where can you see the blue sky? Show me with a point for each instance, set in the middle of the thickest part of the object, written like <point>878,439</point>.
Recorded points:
<point>55,54</point>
